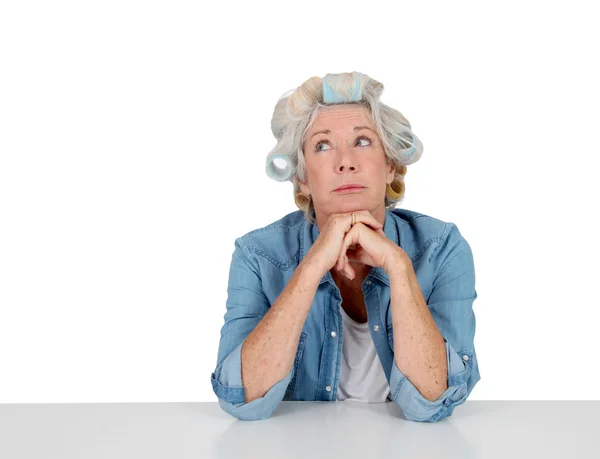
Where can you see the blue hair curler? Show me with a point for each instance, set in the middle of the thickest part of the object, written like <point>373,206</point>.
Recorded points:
<point>331,97</point>
<point>408,153</point>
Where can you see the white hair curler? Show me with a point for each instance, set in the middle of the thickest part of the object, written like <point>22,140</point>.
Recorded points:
<point>280,174</point>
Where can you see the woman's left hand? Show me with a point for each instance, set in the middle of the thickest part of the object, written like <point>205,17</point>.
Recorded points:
<point>371,247</point>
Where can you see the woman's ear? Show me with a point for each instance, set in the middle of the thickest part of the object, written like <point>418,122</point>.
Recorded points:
<point>391,171</point>
<point>304,188</point>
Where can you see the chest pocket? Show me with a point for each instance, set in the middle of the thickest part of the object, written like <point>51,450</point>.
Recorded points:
<point>291,388</point>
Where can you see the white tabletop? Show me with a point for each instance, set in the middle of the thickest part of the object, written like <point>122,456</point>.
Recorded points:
<point>477,429</point>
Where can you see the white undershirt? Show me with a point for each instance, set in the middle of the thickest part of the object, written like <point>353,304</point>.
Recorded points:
<point>362,378</point>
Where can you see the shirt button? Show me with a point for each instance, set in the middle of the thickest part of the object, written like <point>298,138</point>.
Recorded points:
<point>376,327</point>
<point>328,388</point>
<point>334,334</point>
<point>368,282</point>
<point>465,357</point>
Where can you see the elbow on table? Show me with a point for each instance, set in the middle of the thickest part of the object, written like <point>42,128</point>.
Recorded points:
<point>444,412</point>
<point>243,413</point>
<point>231,399</point>
<point>462,378</point>
<point>417,408</point>
<point>260,409</point>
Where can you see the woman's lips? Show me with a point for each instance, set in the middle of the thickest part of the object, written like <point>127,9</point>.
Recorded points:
<point>350,189</point>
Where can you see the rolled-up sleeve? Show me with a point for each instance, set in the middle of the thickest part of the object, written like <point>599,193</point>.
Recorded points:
<point>246,306</point>
<point>451,306</point>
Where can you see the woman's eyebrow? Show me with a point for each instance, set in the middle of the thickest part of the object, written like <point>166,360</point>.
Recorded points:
<point>356,128</point>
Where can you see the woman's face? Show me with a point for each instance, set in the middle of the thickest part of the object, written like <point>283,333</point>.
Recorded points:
<point>351,152</point>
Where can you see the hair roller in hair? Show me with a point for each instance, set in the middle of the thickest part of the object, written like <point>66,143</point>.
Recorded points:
<point>278,173</point>
<point>408,146</point>
<point>331,96</point>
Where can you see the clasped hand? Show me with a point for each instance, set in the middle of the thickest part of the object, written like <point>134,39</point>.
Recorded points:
<point>370,247</point>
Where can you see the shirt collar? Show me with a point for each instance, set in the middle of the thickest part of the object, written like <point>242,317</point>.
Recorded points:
<point>310,233</point>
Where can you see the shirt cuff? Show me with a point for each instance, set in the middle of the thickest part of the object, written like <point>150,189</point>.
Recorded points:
<point>416,407</point>
<point>227,386</point>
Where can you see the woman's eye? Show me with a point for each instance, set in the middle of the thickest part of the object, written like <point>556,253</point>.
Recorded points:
<point>364,137</point>
<point>317,145</point>
<point>360,137</point>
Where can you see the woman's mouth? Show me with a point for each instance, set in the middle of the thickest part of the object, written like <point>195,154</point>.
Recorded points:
<point>349,188</point>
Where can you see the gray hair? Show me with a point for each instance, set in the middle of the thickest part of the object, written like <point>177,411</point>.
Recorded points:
<point>296,111</point>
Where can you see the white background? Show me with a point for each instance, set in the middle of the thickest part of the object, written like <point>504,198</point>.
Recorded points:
<point>132,145</point>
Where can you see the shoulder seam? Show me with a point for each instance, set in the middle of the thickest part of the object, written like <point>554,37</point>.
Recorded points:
<point>259,252</point>
<point>271,227</point>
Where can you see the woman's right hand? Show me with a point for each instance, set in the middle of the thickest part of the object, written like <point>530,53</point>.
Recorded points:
<point>325,252</point>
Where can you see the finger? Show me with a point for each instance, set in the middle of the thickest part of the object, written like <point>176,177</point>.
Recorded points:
<point>367,218</point>
<point>344,248</point>
<point>346,243</point>
<point>348,269</point>
<point>379,231</point>
<point>365,243</point>
<point>340,263</point>
<point>343,265</point>
<point>342,260</point>
<point>350,276</point>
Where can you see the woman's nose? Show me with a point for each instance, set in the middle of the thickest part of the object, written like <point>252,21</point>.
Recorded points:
<point>346,159</point>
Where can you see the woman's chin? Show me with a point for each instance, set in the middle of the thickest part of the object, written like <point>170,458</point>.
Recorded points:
<point>351,206</point>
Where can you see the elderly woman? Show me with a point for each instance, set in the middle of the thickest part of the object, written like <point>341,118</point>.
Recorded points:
<point>347,298</point>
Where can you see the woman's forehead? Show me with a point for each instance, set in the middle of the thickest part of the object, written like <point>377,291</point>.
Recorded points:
<point>342,117</point>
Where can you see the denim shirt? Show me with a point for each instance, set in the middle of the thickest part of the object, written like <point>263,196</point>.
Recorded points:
<point>263,262</point>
